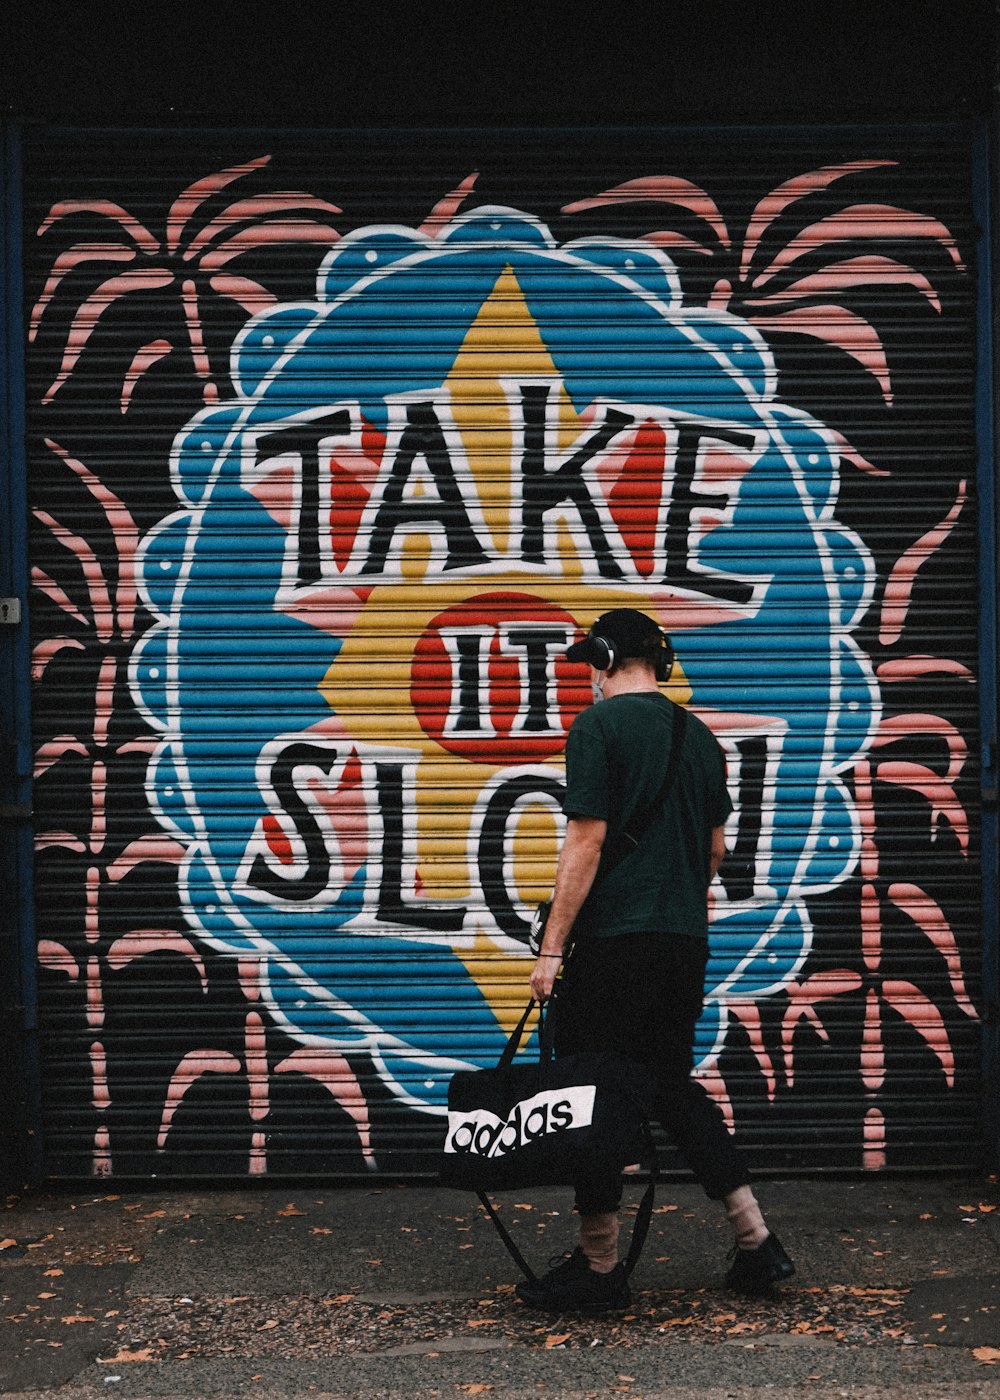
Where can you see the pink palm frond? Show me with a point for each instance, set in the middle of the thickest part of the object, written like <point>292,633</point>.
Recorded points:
<point>860,221</point>
<point>142,941</point>
<point>143,238</point>
<point>929,917</point>
<point>851,333</point>
<point>44,652</point>
<point>867,271</point>
<point>779,199</point>
<point>670,238</point>
<point>919,1011</point>
<point>330,1069</point>
<point>714,1085</point>
<point>804,305</point>
<point>850,454</point>
<point>243,290</point>
<point>192,1067</point>
<point>59,840</point>
<point>907,668</point>
<point>154,846</point>
<point>661,189</point>
<point>263,236</point>
<point>446,209</point>
<point>66,263</point>
<point>124,528</point>
<point>42,581</point>
<point>192,198</point>
<point>86,556</point>
<point>747,1013</point>
<point>143,359</point>
<point>899,588</point>
<point>142,279</point>
<point>935,789</point>
<point>803,999</point>
<point>254,208</point>
<point>57,958</point>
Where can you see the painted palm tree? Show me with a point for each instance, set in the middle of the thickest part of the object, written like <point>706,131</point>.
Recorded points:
<point>194,257</point>
<point>97,597</point>
<point>794,285</point>
<point>785,286</point>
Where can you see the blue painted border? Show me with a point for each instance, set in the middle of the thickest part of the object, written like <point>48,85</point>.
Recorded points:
<point>985,157</point>
<point>22,1160</point>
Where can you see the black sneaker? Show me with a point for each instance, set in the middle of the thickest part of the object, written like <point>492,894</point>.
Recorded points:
<point>573,1286</point>
<point>756,1271</point>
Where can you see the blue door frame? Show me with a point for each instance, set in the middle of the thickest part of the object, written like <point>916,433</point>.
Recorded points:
<point>987,197</point>
<point>20,1089</point>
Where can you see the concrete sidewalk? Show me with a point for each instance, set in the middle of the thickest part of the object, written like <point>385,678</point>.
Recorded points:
<point>387,1290</point>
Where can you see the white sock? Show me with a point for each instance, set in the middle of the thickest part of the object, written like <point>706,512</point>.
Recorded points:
<point>599,1240</point>
<point>743,1213</point>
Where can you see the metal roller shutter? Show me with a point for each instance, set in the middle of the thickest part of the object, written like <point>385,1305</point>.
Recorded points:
<point>335,443</point>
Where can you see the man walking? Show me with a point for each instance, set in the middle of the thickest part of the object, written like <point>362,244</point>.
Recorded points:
<point>633,981</point>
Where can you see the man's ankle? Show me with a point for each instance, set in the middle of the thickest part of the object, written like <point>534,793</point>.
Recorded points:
<point>744,1214</point>
<point>599,1241</point>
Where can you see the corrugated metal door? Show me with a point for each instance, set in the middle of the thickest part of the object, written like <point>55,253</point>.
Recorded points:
<point>336,444</point>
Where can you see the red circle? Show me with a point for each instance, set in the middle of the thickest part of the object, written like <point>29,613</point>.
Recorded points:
<point>489,683</point>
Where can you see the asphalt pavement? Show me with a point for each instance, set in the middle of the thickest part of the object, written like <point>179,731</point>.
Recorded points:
<point>387,1290</point>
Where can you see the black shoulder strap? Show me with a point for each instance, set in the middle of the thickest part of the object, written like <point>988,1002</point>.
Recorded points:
<point>640,823</point>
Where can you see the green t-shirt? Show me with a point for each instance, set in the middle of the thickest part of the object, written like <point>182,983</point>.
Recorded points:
<point>616,759</point>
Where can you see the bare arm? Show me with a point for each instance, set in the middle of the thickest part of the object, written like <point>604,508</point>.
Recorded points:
<point>578,862</point>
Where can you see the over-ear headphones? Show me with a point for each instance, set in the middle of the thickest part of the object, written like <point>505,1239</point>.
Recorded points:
<point>663,657</point>
<point>605,659</point>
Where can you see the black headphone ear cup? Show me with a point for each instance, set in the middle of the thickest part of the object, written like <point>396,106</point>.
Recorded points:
<point>604,653</point>
<point>664,659</point>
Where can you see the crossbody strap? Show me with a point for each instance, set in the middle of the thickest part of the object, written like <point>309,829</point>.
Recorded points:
<point>632,835</point>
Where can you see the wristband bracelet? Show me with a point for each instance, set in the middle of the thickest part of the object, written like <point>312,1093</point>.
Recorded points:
<point>548,955</point>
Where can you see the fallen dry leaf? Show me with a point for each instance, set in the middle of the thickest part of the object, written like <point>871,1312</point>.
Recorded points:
<point>53,1273</point>
<point>474,1388</point>
<point>320,1230</point>
<point>8,1244</point>
<point>291,1210</point>
<point>340,1298</point>
<point>77,1317</point>
<point>47,1295</point>
<point>266,1326</point>
<point>986,1356</point>
<point>142,1354</point>
<point>985,1208</point>
<point>556,1339</point>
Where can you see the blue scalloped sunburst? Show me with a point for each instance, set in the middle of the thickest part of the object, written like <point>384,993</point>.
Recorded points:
<point>231,673</point>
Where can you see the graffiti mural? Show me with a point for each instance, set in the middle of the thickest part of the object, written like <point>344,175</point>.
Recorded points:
<point>399,466</point>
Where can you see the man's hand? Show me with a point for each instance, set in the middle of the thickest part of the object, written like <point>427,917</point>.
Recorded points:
<point>543,975</point>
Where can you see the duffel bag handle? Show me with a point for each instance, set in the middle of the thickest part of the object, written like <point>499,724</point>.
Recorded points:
<point>546,1031</point>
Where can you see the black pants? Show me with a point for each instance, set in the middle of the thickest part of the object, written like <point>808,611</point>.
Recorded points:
<point>640,995</point>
